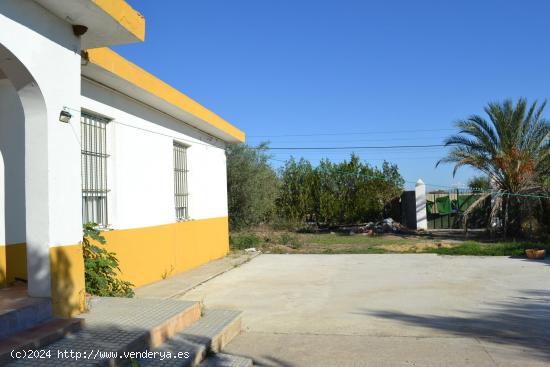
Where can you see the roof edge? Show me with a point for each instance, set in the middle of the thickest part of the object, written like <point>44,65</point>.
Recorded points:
<point>108,60</point>
<point>129,18</point>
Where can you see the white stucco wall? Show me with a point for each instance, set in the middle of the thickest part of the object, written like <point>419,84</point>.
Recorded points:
<point>41,57</point>
<point>47,48</point>
<point>12,171</point>
<point>140,168</point>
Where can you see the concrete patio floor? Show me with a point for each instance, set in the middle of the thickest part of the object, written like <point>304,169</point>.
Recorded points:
<point>387,310</point>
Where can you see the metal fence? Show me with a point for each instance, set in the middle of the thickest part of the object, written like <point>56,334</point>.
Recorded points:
<point>446,209</point>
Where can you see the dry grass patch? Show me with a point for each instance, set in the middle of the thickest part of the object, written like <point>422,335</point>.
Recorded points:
<point>287,242</point>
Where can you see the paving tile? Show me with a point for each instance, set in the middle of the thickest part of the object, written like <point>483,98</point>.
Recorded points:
<point>179,284</point>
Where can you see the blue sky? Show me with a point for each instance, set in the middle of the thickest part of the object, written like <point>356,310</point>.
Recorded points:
<point>381,72</point>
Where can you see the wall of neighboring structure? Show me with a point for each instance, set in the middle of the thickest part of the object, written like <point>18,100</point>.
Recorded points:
<point>41,58</point>
<point>144,233</point>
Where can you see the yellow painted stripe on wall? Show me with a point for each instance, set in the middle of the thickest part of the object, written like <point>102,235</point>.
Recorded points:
<point>109,60</point>
<point>67,280</point>
<point>150,254</point>
<point>67,274</point>
<point>13,263</point>
<point>146,255</point>
<point>3,278</point>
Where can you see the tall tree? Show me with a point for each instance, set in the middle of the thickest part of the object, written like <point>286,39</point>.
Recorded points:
<point>336,193</point>
<point>512,148</point>
<point>296,199</point>
<point>252,185</point>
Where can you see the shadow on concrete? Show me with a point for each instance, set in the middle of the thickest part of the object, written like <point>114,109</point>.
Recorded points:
<point>541,261</point>
<point>523,321</point>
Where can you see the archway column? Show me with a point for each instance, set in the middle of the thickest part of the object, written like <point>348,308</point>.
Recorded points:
<point>52,192</point>
<point>46,77</point>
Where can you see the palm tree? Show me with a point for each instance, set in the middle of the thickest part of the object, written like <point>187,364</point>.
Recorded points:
<point>512,148</point>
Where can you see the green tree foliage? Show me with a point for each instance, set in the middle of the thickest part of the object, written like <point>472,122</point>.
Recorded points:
<point>331,193</point>
<point>336,193</point>
<point>252,185</point>
<point>513,149</point>
<point>479,183</point>
<point>101,271</point>
<point>298,187</point>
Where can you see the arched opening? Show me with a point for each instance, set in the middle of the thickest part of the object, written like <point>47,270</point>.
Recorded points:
<point>12,181</point>
<point>22,109</point>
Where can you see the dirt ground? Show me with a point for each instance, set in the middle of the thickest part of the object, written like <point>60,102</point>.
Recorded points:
<point>283,242</point>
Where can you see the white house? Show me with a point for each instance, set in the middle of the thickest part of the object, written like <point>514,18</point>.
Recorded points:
<point>88,136</point>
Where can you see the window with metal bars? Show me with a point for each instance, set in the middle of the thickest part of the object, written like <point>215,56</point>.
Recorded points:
<point>181,194</point>
<point>94,169</point>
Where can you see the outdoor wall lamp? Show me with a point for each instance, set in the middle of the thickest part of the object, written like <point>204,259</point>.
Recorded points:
<point>65,116</point>
<point>79,30</point>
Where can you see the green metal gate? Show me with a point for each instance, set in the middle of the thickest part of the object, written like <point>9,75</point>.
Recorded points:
<point>446,209</point>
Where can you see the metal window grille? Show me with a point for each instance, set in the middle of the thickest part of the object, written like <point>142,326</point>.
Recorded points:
<point>181,194</point>
<point>94,169</point>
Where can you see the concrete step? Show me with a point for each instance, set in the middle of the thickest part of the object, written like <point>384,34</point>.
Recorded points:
<point>19,312</point>
<point>210,334</point>
<point>226,360</point>
<point>217,327</point>
<point>37,337</point>
<point>118,325</point>
<point>183,352</point>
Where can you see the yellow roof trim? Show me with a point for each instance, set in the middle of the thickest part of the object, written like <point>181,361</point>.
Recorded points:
<point>112,62</point>
<point>125,15</point>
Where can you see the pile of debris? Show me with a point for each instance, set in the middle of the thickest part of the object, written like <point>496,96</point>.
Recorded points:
<point>387,225</point>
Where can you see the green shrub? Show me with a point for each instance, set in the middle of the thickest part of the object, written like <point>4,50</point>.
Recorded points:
<point>101,267</point>
<point>243,241</point>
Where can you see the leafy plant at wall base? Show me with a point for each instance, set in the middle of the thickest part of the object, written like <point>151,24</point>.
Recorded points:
<point>101,267</point>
